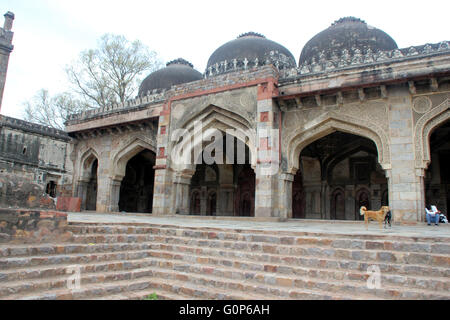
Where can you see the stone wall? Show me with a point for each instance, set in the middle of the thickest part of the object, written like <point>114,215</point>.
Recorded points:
<point>34,168</point>
<point>31,226</point>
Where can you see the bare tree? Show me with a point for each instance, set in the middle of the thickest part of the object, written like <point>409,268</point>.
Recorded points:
<point>111,73</point>
<point>52,111</point>
<point>108,74</point>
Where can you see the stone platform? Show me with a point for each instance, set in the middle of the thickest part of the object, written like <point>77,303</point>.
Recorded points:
<point>267,224</point>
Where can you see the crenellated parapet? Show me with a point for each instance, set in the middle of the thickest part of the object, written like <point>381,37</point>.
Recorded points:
<point>331,61</point>
<point>129,105</point>
<point>33,128</point>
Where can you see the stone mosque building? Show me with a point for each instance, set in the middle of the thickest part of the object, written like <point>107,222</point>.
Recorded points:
<point>354,121</point>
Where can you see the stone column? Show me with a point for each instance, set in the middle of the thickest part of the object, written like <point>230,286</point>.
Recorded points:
<point>115,195</point>
<point>406,191</point>
<point>268,152</point>
<point>225,200</point>
<point>82,192</point>
<point>182,182</point>
<point>285,182</point>
<point>163,192</point>
<point>350,205</point>
<point>203,200</point>
<point>6,48</point>
<point>376,197</point>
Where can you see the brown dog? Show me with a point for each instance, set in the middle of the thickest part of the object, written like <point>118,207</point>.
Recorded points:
<point>379,215</point>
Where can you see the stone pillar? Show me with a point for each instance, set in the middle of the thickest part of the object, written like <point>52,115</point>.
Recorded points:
<point>375,199</point>
<point>350,205</point>
<point>164,191</point>
<point>285,182</point>
<point>182,182</point>
<point>6,47</point>
<point>115,195</point>
<point>268,152</point>
<point>225,200</point>
<point>203,201</point>
<point>324,200</point>
<point>406,191</point>
<point>82,192</point>
<point>103,191</point>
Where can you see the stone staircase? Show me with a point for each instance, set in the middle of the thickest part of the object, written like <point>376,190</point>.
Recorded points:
<point>133,261</point>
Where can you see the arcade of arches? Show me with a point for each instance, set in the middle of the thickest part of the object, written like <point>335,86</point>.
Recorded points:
<point>437,177</point>
<point>338,174</point>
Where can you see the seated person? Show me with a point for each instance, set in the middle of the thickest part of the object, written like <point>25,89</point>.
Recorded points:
<point>432,214</point>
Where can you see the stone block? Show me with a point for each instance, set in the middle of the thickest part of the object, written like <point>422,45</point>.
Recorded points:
<point>70,204</point>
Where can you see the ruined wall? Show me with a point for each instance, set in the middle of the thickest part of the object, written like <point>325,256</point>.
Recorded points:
<point>33,168</point>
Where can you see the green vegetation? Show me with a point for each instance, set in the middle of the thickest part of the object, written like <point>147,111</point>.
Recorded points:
<point>152,296</point>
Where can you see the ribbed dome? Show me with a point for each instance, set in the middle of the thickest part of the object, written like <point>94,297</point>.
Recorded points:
<point>347,33</point>
<point>176,72</point>
<point>250,46</point>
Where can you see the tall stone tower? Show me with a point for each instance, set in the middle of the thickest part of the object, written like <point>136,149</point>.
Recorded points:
<point>6,36</point>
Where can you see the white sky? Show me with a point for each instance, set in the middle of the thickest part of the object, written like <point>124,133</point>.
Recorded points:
<point>49,34</point>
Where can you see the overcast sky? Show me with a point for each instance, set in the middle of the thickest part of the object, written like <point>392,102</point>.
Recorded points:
<point>49,34</point>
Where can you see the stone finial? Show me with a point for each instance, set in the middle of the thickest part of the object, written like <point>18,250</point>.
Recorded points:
<point>180,61</point>
<point>9,18</point>
<point>245,63</point>
<point>251,34</point>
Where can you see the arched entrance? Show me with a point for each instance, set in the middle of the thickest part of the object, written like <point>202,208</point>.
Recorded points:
<point>226,188</point>
<point>91,191</point>
<point>338,174</point>
<point>437,176</point>
<point>136,190</point>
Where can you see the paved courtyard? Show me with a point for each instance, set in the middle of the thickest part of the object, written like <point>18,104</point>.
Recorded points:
<point>338,227</point>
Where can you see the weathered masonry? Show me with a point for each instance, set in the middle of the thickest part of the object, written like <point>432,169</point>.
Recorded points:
<point>357,122</point>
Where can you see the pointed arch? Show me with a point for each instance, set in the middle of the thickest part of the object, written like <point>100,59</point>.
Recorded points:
<point>85,163</point>
<point>329,123</point>
<point>211,118</point>
<point>424,127</point>
<point>127,150</point>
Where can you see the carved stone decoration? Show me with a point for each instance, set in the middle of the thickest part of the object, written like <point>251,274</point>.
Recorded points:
<point>295,141</point>
<point>412,51</point>
<point>430,120</point>
<point>422,104</point>
<point>443,46</point>
<point>427,49</point>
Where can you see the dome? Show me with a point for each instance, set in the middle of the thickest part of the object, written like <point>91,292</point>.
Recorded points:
<point>250,46</point>
<point>176,72</point>
<point>347,33</point>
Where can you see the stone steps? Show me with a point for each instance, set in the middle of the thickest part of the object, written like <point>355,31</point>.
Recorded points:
<point>355,281</point>
<point>99,252</point>
<point>99,284</point>
<point>358,254</point>
<point>131,261</point>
